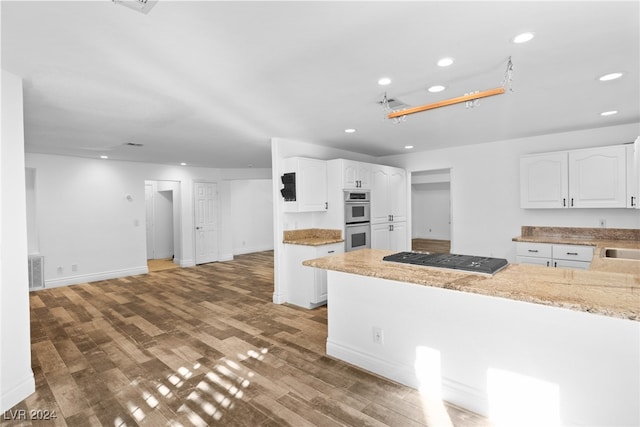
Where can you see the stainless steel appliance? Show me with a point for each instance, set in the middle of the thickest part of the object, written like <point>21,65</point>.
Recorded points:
<point>357,216</point>
<point>471,263</point>
<point>356,207</point>
<point>357,236</point>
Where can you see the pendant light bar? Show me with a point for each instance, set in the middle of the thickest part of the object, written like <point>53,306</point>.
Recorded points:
<point>446,102</point>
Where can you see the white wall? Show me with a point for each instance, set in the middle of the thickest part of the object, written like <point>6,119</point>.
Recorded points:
<point>16,377</point>
<point>85,219</point>
<point>430,211</point>
<point>252,207</point>
<point>485,189</point>
<point>282,149</point>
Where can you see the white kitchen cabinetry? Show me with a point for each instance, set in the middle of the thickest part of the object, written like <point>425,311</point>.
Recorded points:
<point>388,194</point>
<point>307,286</point>
<point>389,208</point>
<point>544,180</point>
<point>588,178</point>
<point>310,183</point>
<point>597,177</point>
<point>390,236</point>
<point>633,174</point>
<point>554,255</point>
<point>356,175</point>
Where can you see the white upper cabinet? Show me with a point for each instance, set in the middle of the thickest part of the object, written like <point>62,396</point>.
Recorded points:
<point>544,180</point>
<point>588,178</point>
<point>388,194</point>
<point>633,174</point>
<point>310,184</point>
<point>598,178</point>
<point>356,174</point>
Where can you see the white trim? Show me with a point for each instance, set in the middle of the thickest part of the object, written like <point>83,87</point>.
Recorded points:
<point>19,392</point>
<point>187,263</point>
<point>225,257</point>
<point>279,298</point>
<point>452,391</point>
<point>94,277</point>
<point>253,249</point>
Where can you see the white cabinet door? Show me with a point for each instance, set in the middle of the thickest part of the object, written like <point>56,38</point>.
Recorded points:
<point>388,194</point>
<point>380,236</point>
<point>320,274</point>
<point>380,203</point>
<point>597,178</point>
<point>398,194</point>
<point>356,174</point>
<point>545,262</point>
<point>544,180</point>
<point>311,184</point>
<point>636,162</point>
<point>576,265</point>
<point>398,240</point>
<point>632,174</point>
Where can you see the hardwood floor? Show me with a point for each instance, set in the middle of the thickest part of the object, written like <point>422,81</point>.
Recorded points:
<point>431,245</point>
<point>201,346</point>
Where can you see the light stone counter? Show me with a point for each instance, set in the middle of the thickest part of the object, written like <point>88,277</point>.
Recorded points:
<point>598,290</point>
<point>312,237</point>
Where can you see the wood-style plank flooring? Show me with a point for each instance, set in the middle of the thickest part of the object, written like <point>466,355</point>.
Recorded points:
<point>431,245</point>
<point>202,346</point>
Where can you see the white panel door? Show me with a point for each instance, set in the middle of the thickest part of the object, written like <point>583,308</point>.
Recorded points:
<point>544,181</point>
<point>206,222</point>
<point>380,204</point>
<point>398,194</point>
<point>597,178</point>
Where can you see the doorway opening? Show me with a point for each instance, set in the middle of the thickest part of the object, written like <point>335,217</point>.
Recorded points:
<point>431,211</point>
<point>162,224</point>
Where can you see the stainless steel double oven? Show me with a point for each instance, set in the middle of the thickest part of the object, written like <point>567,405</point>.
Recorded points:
<point>357,217</point>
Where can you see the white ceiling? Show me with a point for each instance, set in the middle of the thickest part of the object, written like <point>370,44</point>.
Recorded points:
<point>210,82</point>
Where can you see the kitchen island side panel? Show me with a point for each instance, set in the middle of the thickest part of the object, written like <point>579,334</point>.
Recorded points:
<point>489,353</point>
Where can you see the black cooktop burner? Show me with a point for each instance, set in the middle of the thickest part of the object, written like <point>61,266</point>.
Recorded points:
<point>471,263</point>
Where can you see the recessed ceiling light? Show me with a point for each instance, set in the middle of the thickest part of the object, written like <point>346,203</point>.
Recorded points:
<point>104,157</point>
<point>523,38</point>
<point>183,164</point>
<point>610,76</point>
<point>250,165</point>
<point>350,130</point>
<point>445,62</point>
<point>609,113</point>
<point>436,88</point>
<point>384,81</point>
<point>408,147</point>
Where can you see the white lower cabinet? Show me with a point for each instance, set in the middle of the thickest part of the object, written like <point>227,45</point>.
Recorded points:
<point>390,236</point>
<point>307,286</point>
<point>554,255</point>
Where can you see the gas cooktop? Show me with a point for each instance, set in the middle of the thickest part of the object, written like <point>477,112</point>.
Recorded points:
<point>476,264</point>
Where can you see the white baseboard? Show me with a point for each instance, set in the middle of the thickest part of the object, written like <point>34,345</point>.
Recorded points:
<point>279,299</point>
<point>94,277</point>
<point>452,391</point>
<point>252,249</point>
<point>18,393</point>
<point>225,257</point>
<point>187,263</point>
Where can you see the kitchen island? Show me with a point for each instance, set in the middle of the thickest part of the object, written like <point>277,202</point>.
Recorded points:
<point>528,345</point>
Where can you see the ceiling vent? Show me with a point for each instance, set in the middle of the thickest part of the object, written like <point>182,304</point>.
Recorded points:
<point>394,104</point>
<point>142,6</point>
<point>133,144</point>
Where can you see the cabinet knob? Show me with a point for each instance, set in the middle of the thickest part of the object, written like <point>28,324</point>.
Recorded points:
<point>572,202</point>
<point>564,202</point>
<point>533,250</point>
<point>632,201</point>
<point>330,252</point>
<point>572,253</point>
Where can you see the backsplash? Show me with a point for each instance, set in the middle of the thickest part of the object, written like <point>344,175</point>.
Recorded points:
<point>582,233</point>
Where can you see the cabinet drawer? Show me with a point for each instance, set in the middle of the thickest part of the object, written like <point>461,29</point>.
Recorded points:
<point>577,265</point>
<point>545,262</point>
<point>573,252</point>
<point>526,249</point>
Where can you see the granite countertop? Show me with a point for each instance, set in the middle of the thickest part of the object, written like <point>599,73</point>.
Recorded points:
<point>312,236</point>
<point>614,294</point>
<point>600,238</point>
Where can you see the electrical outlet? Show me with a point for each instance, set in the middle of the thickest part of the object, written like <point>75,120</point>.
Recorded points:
<point>378,335</point>
<point>74,267</point>
<point>603,223</point>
